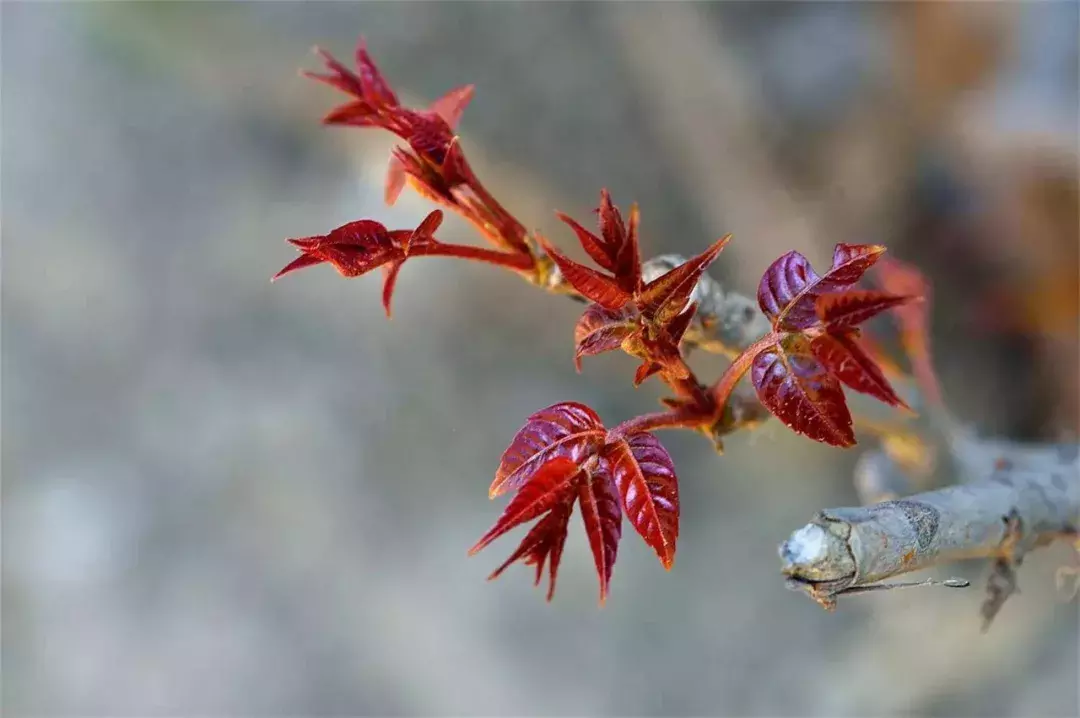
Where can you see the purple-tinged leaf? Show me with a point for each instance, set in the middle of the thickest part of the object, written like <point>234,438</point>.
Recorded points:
<point>798,390</point>
<point>844,310</point>
<point>645,476</point>
<point>569,430</point>
<point>840,354</point>
<point>790,287</point>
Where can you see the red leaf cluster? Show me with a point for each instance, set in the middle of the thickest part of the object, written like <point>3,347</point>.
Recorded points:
<point>645,320</point>
<point>359,247</point>
<point>564,455</point>
<point>433,163</point>
<point>815,345</point>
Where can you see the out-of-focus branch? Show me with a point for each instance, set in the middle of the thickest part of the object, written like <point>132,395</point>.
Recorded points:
<point>1014,510</point>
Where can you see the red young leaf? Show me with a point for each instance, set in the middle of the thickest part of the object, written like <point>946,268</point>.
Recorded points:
<point>375,86</point>
<point>451,105</point>
<point>340,77</point>
<point>429,133</point>
<point>616,249</point>
<point>592,244</point>
<point>425,231</point>
<point>396,176</point>
<point>902,278</point>
<point>645,477</point>
<point>304,260</point>
<point>621,241</point>
<point>845,359</point>
<point>665,297</point>
<point>843,310</point>
<point>677,327</point>
<point>569,430</point>
<point>798,390</point>
<point>659,356</point>
<point>645,370</point>
<point>593,285</point>
<point>612,227</point>
<point>353,249</point>
<point>428,181</point>
<point>564,454</point>
<point>359,247</point>
<point>544,543</point>
<point>658,348</point>
<point>600,330</point>
<point>547,487</point>
<point>358,114</point>
<point>602,516</point>
<point>789,288</point>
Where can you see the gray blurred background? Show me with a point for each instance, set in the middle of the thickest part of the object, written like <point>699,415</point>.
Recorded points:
<point>226,497</point>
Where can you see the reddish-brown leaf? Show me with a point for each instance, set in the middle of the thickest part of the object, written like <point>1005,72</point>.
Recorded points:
<point>914,321</point>
<point>427,134</point>
<point>376,89</point>
<point>646,369</point>
<point>666,297</point>
<point>425,231</point>
<point>547,487</point>
<point>353,249</point>
<point>304,260</point>
<point>602,516</point>
<point>842,356</point>
<point>661,351</point>
<point>616,249</point>
<point>600,330</point>
<point>677,327</point>
<point>645,477</point>
<point>544,543</point>
<point>621,241</point>
<point>798,390</point>
<point>612,227</point>
<point>593,285</point>
<point>592,244</point>
<point>843,310</point>
<point>790,287</point>
<point>358,113</point>
<point>359,247</point>
<point>426,180</point>
<point>569,430</point>
<point>451,105</point>
<point>340,77</point>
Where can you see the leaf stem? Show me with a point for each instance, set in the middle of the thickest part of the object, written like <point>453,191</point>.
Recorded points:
<point>681,418</point>
<point>721,390</point>
<point>514,261</point>
<point>499,212</point>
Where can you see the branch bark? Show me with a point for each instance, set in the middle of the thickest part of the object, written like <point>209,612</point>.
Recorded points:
<point>1016,509</point>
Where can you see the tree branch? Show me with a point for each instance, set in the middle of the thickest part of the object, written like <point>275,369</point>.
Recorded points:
<point>1016,509</point>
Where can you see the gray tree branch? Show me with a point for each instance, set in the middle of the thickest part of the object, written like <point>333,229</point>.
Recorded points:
<point>1021,505</point>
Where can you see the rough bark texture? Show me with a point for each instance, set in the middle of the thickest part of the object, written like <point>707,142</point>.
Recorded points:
<point>1002,517</point>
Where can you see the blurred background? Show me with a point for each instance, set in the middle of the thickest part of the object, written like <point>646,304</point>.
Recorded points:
<point>226,497</point>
